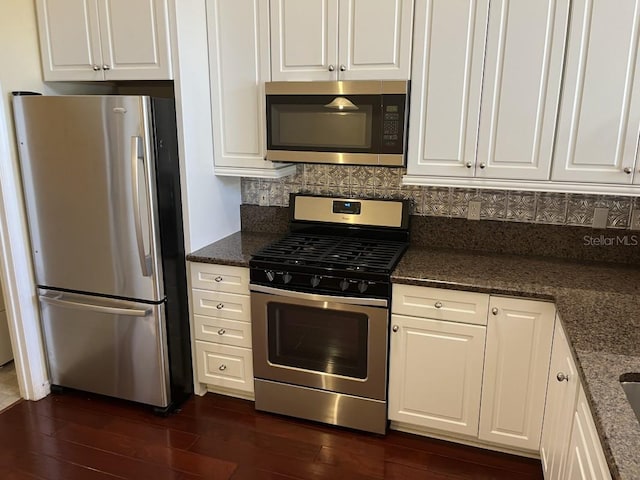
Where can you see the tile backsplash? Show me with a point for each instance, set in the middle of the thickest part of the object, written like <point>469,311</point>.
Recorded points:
<point>383,182</point>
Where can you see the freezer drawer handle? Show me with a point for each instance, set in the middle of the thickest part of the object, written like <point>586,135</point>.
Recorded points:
<point>58,301</point>
<point>145,260</point>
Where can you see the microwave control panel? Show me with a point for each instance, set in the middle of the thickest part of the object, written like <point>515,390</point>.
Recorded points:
<point>393,123</point>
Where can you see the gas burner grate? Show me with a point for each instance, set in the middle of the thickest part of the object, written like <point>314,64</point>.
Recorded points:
<point>356,254</point>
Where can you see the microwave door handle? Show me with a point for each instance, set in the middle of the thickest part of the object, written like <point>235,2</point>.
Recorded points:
<point>59,302</point>
<point>145,263</point>
<point>366,302</point>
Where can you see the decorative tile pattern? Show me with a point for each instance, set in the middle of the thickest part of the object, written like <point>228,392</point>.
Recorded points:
<point>619,211</point>
<point>494,204</point>
<point>551,208</point>
<point>521,206</point>
<point>460,198</point>
<point>384,182</point>
<point>580,209</point>
<point>437,201</point>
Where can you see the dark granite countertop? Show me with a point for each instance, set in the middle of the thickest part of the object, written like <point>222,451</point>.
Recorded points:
<point>599,304</point>
<point>236,249</point>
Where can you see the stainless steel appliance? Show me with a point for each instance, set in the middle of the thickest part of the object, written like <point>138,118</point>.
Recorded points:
<point>102,189</point>
<point>352,122</point>
<point>320,301</point>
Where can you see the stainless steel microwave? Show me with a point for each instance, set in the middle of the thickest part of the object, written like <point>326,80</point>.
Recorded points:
<point>349,123</point>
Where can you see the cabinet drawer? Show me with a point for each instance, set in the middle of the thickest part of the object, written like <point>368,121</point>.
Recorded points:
<point>221,305</point>
<point>222,330</point>
<point>220,278</point>
<point>440,304</point>
<point>224,366</point>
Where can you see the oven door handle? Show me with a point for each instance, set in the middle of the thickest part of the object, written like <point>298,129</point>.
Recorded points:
<point>367,302</point>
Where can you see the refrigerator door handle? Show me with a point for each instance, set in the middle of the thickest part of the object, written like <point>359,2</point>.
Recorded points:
<point>145,260</point>
<point>58,301</point>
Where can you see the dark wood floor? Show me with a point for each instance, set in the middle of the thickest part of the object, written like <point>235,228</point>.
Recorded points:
<point>79,436</point>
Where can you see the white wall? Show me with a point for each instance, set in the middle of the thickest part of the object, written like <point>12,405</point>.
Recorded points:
<point>20,60</point>
<point>211,204</point>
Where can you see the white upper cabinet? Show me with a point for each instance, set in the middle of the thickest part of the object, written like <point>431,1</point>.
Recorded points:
<point>104,40</point>
<point>486,87</point>
<point>239,66</point>
<point>446,85</point>
<point>341,39</point>
<point>599,122</point>
<point>521,88</point>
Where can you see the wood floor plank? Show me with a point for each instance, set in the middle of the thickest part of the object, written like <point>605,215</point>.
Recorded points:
<point>88,437</point>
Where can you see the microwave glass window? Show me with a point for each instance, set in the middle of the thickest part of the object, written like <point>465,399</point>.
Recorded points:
<point>317,339</point>
<point>319,127</point>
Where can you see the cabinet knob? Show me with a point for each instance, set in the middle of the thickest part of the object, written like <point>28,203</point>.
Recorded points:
<point>343,68</point>
<point>222,331</point>
<point>96,68</point>
<point>222,367</point>
<point>106,67</point>
<point>220,306</point>
<point>483,165</point>
<point>468,165</point>
<point>395,328</point>
<point>562,377</point>
<point>627,170</point>
<point>331,68</point>
<point>218,279</point>
<point>494,310</point>
<point>438,304</point>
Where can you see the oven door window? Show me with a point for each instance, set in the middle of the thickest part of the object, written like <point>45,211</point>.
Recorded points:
<point>317,339</point>
<point>309,123</point>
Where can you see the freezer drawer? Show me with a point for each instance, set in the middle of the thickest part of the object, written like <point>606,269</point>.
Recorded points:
<point>106,346</point>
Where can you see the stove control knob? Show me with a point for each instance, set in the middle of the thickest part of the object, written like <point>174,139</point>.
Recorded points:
<point>286,277</point>
<point>362,286</point>
<point>270,275</point>
<point>315,281</point>
<point>344,284</point>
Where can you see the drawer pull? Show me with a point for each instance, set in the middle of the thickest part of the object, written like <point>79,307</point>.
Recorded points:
<point>561,377</point>
<point>438,305</point>
<point>222,331</point>
<point>222,367</point>
<point>218,279</point>
<point>220,306</point>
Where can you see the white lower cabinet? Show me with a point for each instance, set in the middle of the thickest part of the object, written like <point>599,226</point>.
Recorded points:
<point>435,376</point>
<point>221,323</point>
<point>585,459</point>
<point>516,366</point>
<point>446,379</point>
<point>562,388</point>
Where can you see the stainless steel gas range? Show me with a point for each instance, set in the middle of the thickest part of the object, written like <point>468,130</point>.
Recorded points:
<point>320,302</point>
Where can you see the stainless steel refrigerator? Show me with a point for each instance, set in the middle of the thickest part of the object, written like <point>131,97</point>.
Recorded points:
<point>102,190</point>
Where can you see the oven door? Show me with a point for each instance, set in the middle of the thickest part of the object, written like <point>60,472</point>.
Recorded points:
<point>332,343</point>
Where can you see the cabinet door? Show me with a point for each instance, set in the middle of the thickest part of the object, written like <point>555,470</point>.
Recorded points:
<point>304,39</point>
<point>521,88</point>
<point>586,459</point>
<point>562,389</point>
<point>239,66</point>
<point>435,373</point>
<point>374,40</point>
<point>69,39</point>
<point>599,118</point>
<point>135,39</point>
<point>517,356</point>
<point>449,41</point>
